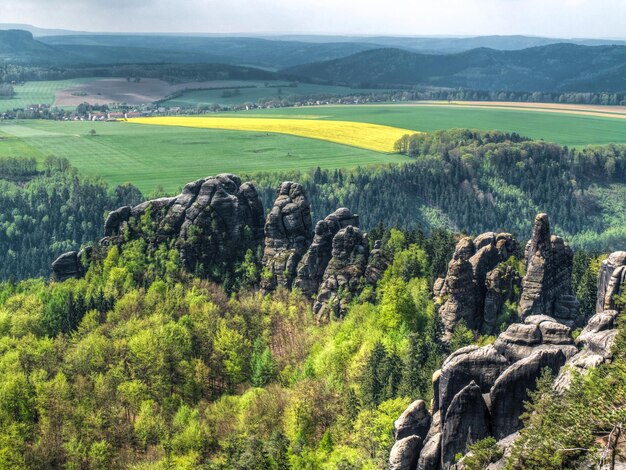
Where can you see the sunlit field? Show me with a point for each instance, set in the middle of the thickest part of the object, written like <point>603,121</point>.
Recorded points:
<point>357,134</point>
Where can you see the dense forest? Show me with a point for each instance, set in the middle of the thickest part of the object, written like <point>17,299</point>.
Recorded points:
<point>551,68</point>
<point>479,181</point>
<point>173,73</point>
<point>44,213</point>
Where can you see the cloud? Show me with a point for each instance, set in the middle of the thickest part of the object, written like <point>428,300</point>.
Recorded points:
<point>565,18</point>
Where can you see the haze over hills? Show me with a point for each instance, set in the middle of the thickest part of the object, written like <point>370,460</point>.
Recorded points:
<point>557,67</point>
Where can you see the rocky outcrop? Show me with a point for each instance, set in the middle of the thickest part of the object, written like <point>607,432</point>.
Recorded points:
<point>404,453</point>
<point>70,265</point>
<point>611,281</point>
<point>596,343</point>
<point>482,366</point>
<point>476,287</point>
<point>537,333</point>
<point>501,285</point>
<point>547,285</point>
<point>212,223</point>
<point>344,275</point>
<point>288,235</point>
<point>216,220</point>
<point>415,421</point>
<point>480,391</point>
<point>314,263</point>
<point>510,391</point>
<point>466,421</point>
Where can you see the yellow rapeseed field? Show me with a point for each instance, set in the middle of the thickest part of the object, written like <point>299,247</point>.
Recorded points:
<point>357,134</point>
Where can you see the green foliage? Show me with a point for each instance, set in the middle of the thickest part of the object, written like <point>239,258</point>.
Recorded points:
<point>481,454</point>
<point>461,336</point>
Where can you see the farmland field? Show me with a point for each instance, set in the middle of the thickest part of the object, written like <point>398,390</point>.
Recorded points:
<point>71,93</point>
<point>357,134</point>
<point>38,93</point>
<point>252,95</point>
<point>149,156</point>
<point>169,156</point>
<point>566,129</point>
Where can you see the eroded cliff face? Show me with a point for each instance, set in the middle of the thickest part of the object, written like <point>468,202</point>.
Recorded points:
<point>477,283</point>
<point>288,235</point>
<point>480,391</point>
<point>213,222</point>
<point>547,285</point>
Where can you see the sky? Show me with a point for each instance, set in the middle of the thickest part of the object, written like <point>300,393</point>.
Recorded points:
<point>552,18</point>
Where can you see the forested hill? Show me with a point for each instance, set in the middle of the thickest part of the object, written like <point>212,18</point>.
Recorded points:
<point>557,67</point>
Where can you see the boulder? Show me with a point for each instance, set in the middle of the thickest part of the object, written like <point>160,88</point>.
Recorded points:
<point>67,266</point>
<point>547,285</point>
<point>466,421</point>
<point>415,421</point>
<point>405,453</point>
<point>482,366</point>
<point>115,219</point>
<point>510,390</point>
<point>521,340</point>
<point>313,265</point>
<point>288,235</point>
<point>430,457</point>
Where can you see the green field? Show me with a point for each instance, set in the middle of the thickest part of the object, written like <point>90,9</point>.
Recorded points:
<point>565,129</point>
<point>149,156</point>
<point>38,93</point>
<point>260,91</point>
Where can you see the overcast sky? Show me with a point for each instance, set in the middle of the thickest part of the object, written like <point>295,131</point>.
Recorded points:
<point>555,18</point>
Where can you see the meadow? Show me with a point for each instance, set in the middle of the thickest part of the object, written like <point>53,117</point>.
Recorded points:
<point>43,92</point>
<point>169,157</point>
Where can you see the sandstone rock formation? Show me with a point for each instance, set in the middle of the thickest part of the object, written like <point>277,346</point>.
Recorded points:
<point>313,265</point>
<point>596,341</point>
<point>476,287</point>
<point>344,275</point>
<point>216,220</point>
<point>405,453</point>
<point>213,222</point>
<point>288,235</point>
<point>415,421</point>
<point>547,285</point>
<point>70,265</point>
<point>466,421</point>
<point>480,391</point>
<point>611,280</point>
<point>510,391</point>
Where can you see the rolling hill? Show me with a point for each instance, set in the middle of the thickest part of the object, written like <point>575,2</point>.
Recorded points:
<point>557,67</point>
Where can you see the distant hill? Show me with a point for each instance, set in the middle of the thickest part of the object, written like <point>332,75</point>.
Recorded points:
<point>447,45</point>
<point>557,67</point>
<point>234,50</point>
<point>17,46</point>
<point>20,47</point>
<point>38,31</point>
